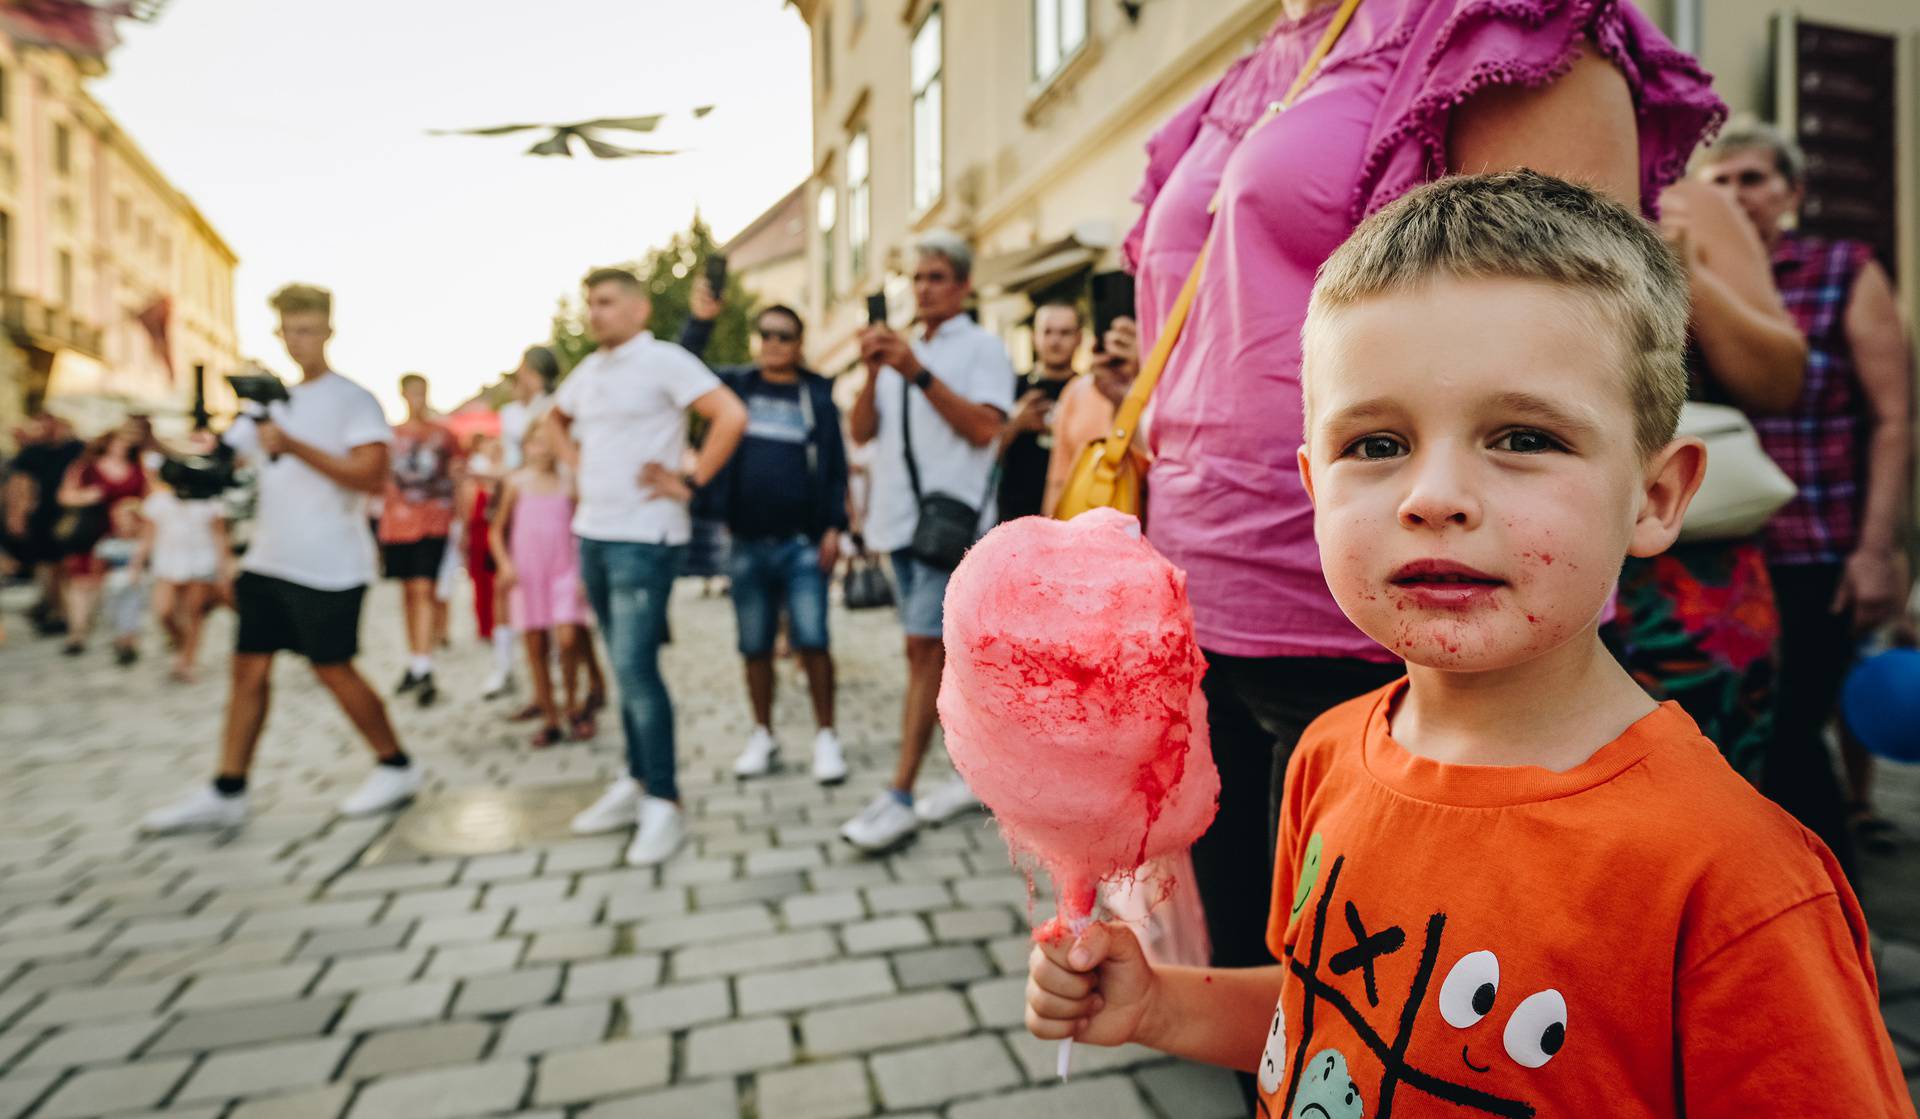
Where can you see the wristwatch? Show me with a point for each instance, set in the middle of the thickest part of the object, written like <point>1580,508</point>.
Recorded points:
<point>687,480</point>
<point>923,378</point>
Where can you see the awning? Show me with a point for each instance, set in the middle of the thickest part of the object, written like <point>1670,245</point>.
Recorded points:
<point>1037,266</point>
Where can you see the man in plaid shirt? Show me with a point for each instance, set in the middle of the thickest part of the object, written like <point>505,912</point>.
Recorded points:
<point>1834,552</point>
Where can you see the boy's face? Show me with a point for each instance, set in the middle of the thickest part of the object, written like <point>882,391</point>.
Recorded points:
<point>1471,458</point>
<point>305,334</point>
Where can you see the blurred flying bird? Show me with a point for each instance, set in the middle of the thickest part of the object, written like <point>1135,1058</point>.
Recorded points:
<point>561,142</point>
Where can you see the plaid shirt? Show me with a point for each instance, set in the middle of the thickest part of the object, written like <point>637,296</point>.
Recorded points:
<point>1821,443</point>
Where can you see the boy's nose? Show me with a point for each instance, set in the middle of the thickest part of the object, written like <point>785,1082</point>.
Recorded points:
<point>1442,494</point>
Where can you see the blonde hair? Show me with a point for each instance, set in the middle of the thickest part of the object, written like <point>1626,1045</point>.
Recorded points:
<point>1523,225</point>
<point>295,299</point>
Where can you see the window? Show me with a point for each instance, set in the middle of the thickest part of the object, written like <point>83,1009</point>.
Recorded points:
<point>859,203</point>
<point>826,218</point>
<point>63,269</point>
<point>62,149</point>
<point>927,72</point>
<point>6,251</point>
<point>1059,31</point>
<point>4,106</point>
<point>122,214</point>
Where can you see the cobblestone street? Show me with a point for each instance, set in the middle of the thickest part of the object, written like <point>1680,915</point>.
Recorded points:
<point>768,971</point>
<point>303,968</point>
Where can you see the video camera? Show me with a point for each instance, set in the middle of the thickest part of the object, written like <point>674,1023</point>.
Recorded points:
<point>200,477</point>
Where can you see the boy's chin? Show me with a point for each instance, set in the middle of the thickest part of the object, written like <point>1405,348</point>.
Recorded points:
<point>1455,648</point>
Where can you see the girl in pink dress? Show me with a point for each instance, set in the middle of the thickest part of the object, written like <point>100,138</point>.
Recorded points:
<point>539,566</point>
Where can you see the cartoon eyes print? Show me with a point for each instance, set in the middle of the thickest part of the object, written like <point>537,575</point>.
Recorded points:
<point>1535,1031</point>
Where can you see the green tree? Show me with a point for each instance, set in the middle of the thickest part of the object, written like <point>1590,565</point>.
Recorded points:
<point>669,273</point>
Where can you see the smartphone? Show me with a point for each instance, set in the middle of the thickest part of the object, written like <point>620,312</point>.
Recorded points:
<point>717,275</point>
<point>1112,299</point>
<point>877,309</point>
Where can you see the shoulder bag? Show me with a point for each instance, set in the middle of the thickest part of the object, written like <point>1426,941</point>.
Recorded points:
<point>1743,486</point>
<point>947,526</point>
<point>1109,473</point>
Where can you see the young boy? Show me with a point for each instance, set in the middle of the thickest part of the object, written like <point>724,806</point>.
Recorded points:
<point>1510,884</point>
<point>125,556</point>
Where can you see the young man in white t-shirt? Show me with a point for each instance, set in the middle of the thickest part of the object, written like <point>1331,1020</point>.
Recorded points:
<point>319,456</point>
<point>621,419</point>
<point>944,397</point>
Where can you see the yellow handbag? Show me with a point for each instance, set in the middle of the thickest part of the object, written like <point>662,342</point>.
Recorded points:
<point>1109,473</point>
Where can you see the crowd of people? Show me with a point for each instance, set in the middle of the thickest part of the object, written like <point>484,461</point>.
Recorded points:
<point>1292,196</point>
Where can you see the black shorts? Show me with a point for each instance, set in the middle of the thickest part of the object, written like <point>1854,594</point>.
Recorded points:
<point>322,626</point>
<point>416,559</point>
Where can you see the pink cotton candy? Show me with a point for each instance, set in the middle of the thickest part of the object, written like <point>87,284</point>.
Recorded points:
<point>1072,701</point>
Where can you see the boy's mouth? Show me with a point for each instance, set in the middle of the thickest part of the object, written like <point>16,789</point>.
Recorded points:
<point>1434,582</point>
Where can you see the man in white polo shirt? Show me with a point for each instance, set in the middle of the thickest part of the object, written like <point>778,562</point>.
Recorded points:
<point>933,407</point>
<point>621,416</point>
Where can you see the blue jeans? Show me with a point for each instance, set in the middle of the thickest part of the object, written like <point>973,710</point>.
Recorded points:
<point>628,584</point>
<point>921,594</point>
<point>763,573</point>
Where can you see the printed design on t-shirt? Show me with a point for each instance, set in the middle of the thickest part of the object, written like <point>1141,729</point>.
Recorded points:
<point>1352,961</point>
<point>1309,876</point>
<point>1273,1061</point>
<point>776,417</point>
<point>422,469</point>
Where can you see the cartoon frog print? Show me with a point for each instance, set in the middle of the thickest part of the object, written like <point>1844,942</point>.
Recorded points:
<point>1326,1091</point>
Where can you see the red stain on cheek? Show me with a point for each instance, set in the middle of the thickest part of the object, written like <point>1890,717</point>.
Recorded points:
<point>1546,559</point>
<point>1534,620</point>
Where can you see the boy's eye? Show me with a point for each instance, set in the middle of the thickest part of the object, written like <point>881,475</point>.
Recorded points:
<point>1375,447</point>
<point>1527,442</point>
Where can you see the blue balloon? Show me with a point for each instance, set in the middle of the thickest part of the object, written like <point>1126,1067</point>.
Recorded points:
<point>1881,704</point>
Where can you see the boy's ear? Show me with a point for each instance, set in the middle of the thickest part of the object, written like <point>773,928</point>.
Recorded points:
<point>1306,471</point>
<point>1674,474</point>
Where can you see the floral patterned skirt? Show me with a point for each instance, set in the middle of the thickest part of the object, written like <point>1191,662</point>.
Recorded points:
<point>1698,626</point>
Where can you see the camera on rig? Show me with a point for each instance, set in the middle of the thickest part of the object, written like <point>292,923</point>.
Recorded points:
<point>203,475</point>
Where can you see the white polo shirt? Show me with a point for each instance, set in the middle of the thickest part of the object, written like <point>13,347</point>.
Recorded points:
<point>629,408</point>
<point>972,362</point>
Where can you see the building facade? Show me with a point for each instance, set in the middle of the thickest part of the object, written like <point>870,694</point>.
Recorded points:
<point>1022,124</point>
<point>113,285</point>
<point>770,254</point>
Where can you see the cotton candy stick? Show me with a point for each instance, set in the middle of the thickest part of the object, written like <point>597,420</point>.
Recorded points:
<point>1071,700</point>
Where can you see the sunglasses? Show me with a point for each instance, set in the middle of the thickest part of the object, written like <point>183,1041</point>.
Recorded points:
<point>780,335</point>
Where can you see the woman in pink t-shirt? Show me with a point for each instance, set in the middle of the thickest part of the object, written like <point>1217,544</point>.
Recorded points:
<point>1412,90</point>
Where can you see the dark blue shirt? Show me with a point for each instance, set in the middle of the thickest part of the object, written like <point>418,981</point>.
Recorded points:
<point>772,461</point>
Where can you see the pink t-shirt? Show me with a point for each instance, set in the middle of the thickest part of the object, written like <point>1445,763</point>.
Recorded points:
<point>1226,499</point>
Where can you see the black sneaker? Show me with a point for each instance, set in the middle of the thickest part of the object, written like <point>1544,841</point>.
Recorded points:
<point>408,682</point>
<point>73,649</point>
<point>124,657</point>
<point>427,692</point>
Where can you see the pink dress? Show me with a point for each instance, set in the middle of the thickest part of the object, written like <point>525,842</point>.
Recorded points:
<point>546,563</point>
<point>1227,504</point>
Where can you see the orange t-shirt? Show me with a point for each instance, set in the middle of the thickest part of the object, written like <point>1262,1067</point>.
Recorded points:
<point>1642,935</point>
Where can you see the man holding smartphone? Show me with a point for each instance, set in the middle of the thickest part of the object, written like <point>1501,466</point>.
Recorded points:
<point>320,454</point>
<point>1028,443</point>
<point>941,398</point>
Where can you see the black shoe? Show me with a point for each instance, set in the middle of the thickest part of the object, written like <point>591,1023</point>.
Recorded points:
<point>73,649</point>
<point>428,693</point>
<point>50,626</point>
<point>408,682</point>
<point>124,657</point>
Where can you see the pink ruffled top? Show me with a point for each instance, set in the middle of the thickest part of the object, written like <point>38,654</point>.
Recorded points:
<point>1227,504</point>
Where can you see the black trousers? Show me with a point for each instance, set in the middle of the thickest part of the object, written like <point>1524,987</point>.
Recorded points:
<point>1817,647</point>
<point>1257,708</point>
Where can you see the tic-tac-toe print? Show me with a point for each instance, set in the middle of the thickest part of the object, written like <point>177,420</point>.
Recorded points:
<point>1365,976</point>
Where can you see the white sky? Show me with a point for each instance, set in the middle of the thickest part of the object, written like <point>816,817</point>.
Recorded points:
<point>298,129</point>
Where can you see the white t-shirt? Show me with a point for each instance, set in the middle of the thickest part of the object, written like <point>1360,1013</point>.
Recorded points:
<point>309,530</point>
<point>516,419</point>
<point>628,408</point>
<point>185,549</point>
<point>972,362</point>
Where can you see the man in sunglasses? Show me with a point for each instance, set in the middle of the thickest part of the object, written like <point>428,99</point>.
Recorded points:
<point>784,499</point>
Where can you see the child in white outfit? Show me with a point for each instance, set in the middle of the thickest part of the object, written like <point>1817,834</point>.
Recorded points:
<point>189,559</point>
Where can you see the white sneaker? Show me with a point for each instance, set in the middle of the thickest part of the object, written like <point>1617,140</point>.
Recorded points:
<point>882,824</point>
<point>499,682</point>
<point>945,802</point>
<point>204,809</point>
<point>757,759</point>
<point>388,786</point>
<point>829,764</point>
<point>617,808</point>
<point>659,835</point>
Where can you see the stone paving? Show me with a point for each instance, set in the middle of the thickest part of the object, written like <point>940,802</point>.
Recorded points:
<point>289,972</point>
<point>768,970</point>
